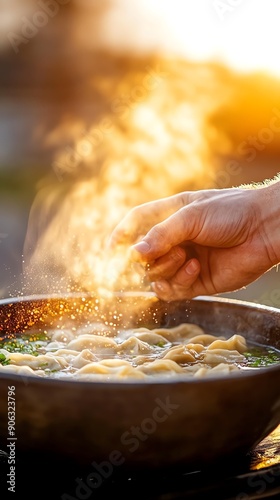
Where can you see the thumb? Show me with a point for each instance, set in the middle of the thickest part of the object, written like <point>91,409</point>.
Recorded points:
<point>180,227</point>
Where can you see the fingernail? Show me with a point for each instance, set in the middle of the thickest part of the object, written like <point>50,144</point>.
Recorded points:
<point>192,267</point>
<point>142,247</point>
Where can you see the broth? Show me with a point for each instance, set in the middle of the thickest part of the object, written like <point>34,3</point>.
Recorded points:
<point>95,352</point>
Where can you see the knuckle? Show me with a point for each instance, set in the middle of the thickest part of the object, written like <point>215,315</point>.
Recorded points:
<point>177,254</point>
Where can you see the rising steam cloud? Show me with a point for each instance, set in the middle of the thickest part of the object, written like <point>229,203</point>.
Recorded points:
<point>130,125</point>
<point>151,138</point>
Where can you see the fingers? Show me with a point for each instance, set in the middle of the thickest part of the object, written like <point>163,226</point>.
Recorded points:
<point>167,266</point>
<point>140,219</point>
<point>183,225</point>
<point>184,285</point>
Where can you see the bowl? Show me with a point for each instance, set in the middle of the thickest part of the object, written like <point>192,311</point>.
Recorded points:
<point>136,424</point>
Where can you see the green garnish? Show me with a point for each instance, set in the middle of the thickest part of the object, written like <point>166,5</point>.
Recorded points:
<point>3,360</point>
<point>258,357</point>
<point>25,344</point>
<point>160,344</point>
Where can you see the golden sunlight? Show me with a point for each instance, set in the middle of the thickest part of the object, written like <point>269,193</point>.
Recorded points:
<point>179,118</point>
<point>242,34</point>
<point>151,144</point>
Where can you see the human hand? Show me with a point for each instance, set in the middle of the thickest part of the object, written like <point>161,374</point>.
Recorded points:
<point>204,242</point>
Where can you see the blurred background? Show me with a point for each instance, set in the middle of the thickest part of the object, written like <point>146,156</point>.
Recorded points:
<point>105,104</point>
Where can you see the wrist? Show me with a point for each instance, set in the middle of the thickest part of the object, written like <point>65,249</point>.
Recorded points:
<point>268,199</point>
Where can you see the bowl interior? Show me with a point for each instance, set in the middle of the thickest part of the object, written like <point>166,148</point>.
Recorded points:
<point>219,316</point>
<point>207,420</point>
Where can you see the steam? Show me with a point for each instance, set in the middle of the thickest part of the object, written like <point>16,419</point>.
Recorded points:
<point>150,138</point>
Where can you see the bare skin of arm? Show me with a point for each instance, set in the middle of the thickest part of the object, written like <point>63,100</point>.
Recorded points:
<point>204,242</point>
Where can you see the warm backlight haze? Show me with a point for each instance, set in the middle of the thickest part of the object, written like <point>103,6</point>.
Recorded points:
<point>135,100</point>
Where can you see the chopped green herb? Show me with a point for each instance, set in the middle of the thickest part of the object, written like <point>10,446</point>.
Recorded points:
<point>258,357</point>
<point>35,337</point>
<point>3,360</point>
<point>160,344</point>
<point>25,344</point>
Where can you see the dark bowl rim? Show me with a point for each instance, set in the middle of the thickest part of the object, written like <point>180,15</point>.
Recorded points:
<point>146,294</point>
<point>211,379</point>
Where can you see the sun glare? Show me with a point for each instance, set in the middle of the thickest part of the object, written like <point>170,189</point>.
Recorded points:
<point>164,125</point>
<point>243,34</point>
